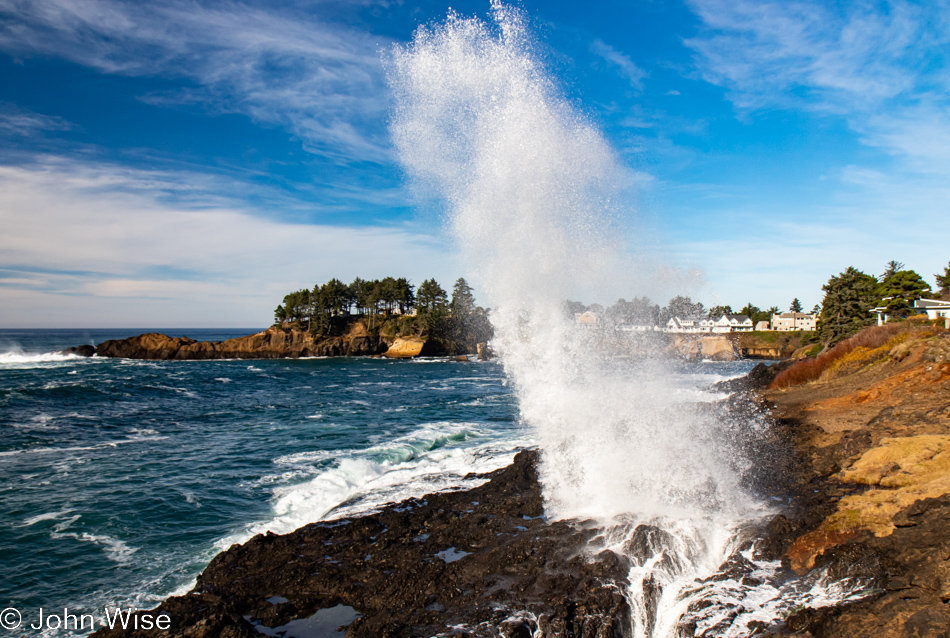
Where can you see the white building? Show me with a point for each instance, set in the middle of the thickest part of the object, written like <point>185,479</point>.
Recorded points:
<point>762,326</point>
<point>732,323</point>
<point>935,308</point>
<point>675,324</point>
<point>726,323</point>
<point>791,321</point>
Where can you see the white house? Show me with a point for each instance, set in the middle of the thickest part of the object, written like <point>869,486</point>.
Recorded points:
<point>935,308</point>
<point>732,323</point>
<point>762,326</point>
<point>790,321</point>
<point>675,324</point>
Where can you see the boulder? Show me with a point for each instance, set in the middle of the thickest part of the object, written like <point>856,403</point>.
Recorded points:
<point>717,349</point>
<point>80,351</point>
<point>405,348</point>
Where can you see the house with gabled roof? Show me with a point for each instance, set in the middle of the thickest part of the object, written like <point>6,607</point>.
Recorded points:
<point>733,323</point>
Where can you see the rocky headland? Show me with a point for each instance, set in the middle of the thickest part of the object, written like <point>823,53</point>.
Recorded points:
<point>278,343</point>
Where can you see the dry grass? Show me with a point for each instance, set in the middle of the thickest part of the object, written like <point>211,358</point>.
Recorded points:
<point>851,354</point>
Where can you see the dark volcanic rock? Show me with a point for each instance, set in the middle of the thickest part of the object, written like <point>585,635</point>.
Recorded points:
<point>80,351</point>
<point>478,562</point>
<point>758,377</point>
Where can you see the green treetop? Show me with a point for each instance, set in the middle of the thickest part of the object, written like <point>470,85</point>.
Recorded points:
<point>845,309</point>
<point>944,281</point>
<point>899,290</point>
<point>431,297</point>
<point>463,301</point>
<point>891,267</point>
<point>795,306</point>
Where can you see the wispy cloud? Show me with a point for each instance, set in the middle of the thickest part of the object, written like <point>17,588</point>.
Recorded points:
<point>87,241</point>
<point>17,121</point>
<point>274,63</point>
<point>625,66</point>
<point>882,66</point>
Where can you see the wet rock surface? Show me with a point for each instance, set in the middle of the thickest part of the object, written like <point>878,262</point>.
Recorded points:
<point>481,562</point>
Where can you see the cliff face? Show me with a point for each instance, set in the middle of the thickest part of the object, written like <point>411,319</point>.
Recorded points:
<point>872,436</point>
<point>713,347</point>
<point>273,343</point>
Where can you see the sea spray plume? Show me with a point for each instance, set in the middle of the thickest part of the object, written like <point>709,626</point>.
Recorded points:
<point>529,187</point>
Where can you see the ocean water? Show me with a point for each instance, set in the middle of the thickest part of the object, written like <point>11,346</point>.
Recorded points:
<point>121,479</point>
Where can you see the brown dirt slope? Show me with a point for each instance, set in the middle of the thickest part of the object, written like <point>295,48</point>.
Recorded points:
<point>873,436</point>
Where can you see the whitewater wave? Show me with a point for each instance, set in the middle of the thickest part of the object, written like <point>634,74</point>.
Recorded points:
<point>17,359</point>
<point>344,483</point>
<point>116,550</point>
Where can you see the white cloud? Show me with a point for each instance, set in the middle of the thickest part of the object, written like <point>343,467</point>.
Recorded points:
<point>323,81</point>
<point>627,68</point>
<point>96,245</point>
<point>880,66</point>
<point>17,121</point>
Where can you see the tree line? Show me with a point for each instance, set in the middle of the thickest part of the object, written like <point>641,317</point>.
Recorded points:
<point>845,309</point>
<point>851,295</point>
<point>643,311</point>
<point>454,318</point>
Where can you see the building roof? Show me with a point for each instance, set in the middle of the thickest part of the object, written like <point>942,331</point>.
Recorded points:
<point>931,303</point>
<point>795,315</point>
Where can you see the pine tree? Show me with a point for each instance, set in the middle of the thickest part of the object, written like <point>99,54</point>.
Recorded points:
<point>944,281</point>
<point>796,305</point>
<point>891,267</point>
<point>463,301</point>
<point>682,307</point>
<point>845,309</point>
<point>898,291</point>
<point>431,297</point>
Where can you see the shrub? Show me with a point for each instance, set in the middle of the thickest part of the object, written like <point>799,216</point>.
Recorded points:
<point>811,369</point>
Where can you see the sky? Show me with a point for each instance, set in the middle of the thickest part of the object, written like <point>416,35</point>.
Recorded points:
<point>187,163</point>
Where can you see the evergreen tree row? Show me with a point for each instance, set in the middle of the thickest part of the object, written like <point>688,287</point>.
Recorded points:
<point>455,320</point>
<point>851,295</point>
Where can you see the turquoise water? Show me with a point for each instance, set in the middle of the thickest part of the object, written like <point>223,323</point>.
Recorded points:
<point>121,479</point>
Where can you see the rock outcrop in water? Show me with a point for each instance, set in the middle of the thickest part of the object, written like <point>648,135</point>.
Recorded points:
<point>481,562</point>
<point>273,343</point>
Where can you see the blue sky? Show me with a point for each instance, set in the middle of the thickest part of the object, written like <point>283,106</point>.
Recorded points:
<point>187,163</point>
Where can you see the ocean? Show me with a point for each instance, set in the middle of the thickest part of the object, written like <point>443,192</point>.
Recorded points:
<point>121,479</point>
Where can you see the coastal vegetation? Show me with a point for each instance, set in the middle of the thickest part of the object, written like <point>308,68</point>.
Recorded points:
<point>851,296</point>
<point>868,346</point>
<point>390,306</point>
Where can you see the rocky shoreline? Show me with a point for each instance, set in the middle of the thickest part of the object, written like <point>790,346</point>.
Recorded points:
<point>273,343</point>
<point>293,343</point>
<point>857,456</point>
<point>476,562</point>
